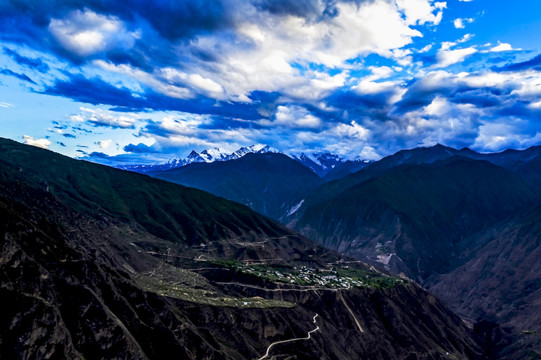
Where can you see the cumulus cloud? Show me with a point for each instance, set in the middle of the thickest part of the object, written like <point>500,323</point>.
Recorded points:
<point>260,55</point>
<point>507,133</point>
<point>351,130</point>
<point>86,33</point>
<point>42,143</point>
<point>502,47</point>
<point>296,117</point>
<point>460,23</point>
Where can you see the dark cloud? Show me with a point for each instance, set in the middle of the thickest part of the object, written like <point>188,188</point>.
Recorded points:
<point>36,64</point>
<point>534,64</point>
<point>61,144</point>
<point>164,23</point>
<point>221,123</point>
<point>518,109</point>
<point>480,98</point>
<point>94,91</point>
<point>19,76</point>
<point>311,10</point>
<point>78,128</point>
<point>69,136</point>
<point>308,9</point>
<point>420,94</point>
<point>98,92</point>
<point>172,19</point>
<point>140,149</point>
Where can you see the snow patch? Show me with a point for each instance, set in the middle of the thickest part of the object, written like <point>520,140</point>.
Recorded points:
<point>294,209</point>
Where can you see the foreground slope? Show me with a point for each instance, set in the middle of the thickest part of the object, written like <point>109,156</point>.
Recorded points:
<point>88,272</point>
<point>499,281</point>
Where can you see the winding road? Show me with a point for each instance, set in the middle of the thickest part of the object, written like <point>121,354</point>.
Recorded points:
<point>308,335</point>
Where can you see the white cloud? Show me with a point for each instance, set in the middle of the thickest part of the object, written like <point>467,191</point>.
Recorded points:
<point>535,105</point>
<point>104,144</point>
<point>426,49</point>
<point>419,12</point>
<point>186,125</point>
<point>205,84</point>
<point>352,130</point>
<point>449,57</point>
<point>314,85</point>
<point>438,107</point>
<point>495,136</point>
<point>369,153</point>
<point>85,33</point>
<point>296,117</point>
<point>6,105</point>
<point>42,143</point>
<point>465,38</point>
<point>98,117</point>
<point>502,47</point>
<point>163,81</point>
<point>460,23</point>
<point>262,54</point>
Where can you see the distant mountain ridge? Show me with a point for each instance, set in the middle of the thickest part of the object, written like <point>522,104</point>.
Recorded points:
<point>205,156</point>
<point>321,163</point>
<point>270,183</point>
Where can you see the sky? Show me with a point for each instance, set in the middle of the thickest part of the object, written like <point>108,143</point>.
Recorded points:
<point>144,81</point>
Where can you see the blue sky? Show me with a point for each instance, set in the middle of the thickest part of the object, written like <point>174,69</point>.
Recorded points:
<point>144,81</point>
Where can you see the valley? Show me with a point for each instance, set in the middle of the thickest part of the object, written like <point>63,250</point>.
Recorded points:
<point>100,276</point>
<point>437,215</point>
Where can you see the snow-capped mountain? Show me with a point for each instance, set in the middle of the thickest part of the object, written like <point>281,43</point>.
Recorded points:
<point>320,163</point>
<point>215,154</point>
<point>257,149</point>
<point>205,156</point>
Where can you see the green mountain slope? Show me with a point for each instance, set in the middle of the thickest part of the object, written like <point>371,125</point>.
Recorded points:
<point>412,217</point>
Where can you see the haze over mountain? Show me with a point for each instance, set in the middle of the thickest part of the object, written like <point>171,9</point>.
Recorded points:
<point>88,272</point>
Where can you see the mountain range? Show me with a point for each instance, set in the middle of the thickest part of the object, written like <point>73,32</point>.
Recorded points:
<point>461,223</point>
<point>321,163</point>
<point>102,263</point>
<point>419,213</point>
